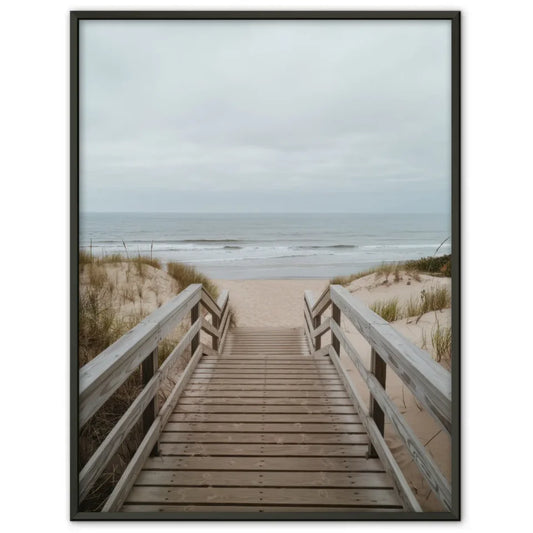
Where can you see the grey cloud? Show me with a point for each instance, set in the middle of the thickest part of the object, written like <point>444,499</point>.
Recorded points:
<point>202,107</point>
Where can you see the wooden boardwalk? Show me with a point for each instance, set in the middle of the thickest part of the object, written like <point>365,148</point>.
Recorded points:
<point>263,420</point>
<point>262,427</point>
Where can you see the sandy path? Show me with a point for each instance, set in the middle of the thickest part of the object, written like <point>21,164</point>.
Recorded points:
<point>266,303</point>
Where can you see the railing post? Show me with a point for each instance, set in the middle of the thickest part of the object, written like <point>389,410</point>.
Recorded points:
<point>317,341</point>
<point>216,323</point>
<point>378,367</point>
<point>336,316</point>
<point>148,368</point>
<point>195,313</point>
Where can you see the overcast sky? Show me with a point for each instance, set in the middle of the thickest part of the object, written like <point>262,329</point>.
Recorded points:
<point>243,116</point>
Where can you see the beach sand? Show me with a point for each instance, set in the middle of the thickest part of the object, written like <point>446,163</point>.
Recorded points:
<point>270,303</point>
<point>265,303</point>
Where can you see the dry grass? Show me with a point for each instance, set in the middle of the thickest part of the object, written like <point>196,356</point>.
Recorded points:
<point>387,309</point>
<point>185,275</point>
<point>138,260</point>
<point>437,266</point>
<point>441,340</point>
<point>433,299</point>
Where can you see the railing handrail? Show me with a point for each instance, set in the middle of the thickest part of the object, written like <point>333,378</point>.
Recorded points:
<point>104,374</point>
<point>429,382</point>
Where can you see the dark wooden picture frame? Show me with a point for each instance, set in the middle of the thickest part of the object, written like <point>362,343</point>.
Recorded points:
<point>432,395</point>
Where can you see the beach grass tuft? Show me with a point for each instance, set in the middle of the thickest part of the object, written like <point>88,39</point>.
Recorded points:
<point>432,299</point>
<point>387,309</point>
<point>185,275</point>
<point>441,340</point>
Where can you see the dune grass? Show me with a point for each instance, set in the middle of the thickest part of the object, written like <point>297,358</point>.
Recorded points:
<point>441,340</point>
<point>432,299</point>
<point>439,266</point>
<point>186,274</point>
<point>138,260</point>
<point>387,309</point>
<point>432,265</point>
<point>385,270</point>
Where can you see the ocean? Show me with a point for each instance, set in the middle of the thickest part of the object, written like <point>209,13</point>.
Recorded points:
<point>268,246</point>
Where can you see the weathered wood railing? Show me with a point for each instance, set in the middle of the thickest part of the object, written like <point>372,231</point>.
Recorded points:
<point>428,381</point>
<point>102,376</point>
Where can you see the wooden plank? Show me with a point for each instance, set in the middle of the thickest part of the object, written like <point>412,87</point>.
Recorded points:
<point>272,371</point>
<point>265,427</point>
<point>322,352</point>
<point>287,464</point>
<point>209,303</point>
<point>223,301</point>
<point>222,342</point>
<point>264,408</point>
<point>266,400</point>
<point>259,374</point>
<point>263,510</point>
<point>104,374</point>
<point>321,303</point>
<point>335,321</point>
<point>195,315</point>
<point>125,483</point>
<point>283,450</point>
<point>215,339</point>
<point>274,496</point>
<point>273,395</point>
<point>309,300</point>
<point>206,367</point>
<point>306,362</point>
<point>258,382</point>
<point>321,329</point>
<point>337,386</point>
<point>378,367</point>
<point>148,369</point>
<point>428,381</point>
<point>264,438</point>
<point>262,348</point>
<point>224,326</point>
<point>381,447</point>
<point>123,487</point>
<point>261,355</point>
<point>310,327</point>
<point>258,417</point>
<point>266,347</point>
<point>255,478</point>
<point>209,328</point>
<point>416,449</point>
<point>98,461</point>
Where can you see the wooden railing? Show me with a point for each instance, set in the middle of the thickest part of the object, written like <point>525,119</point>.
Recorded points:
<point>428,381</point>
<point>102,376</point>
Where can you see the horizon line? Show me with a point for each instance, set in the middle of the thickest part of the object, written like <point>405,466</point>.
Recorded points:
<point>271,212</point>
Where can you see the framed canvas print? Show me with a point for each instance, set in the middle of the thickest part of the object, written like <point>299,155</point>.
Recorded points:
<point>265,265</point>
